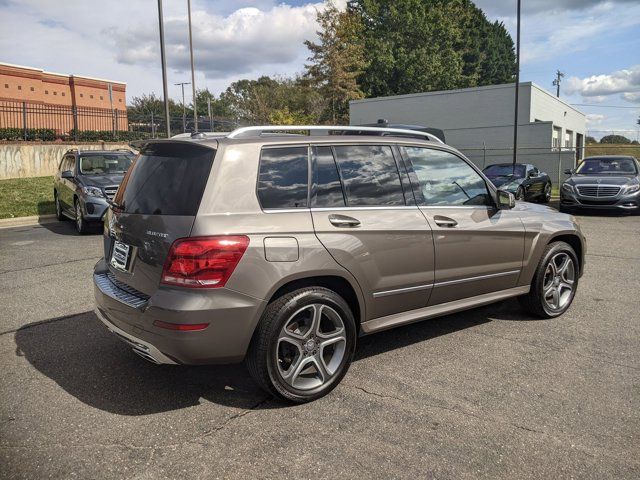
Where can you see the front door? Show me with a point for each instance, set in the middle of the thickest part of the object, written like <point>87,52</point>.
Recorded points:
<point>478,248</point>
<point>361,216</point>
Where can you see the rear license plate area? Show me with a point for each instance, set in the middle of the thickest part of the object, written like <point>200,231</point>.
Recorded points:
<point>120,256</point>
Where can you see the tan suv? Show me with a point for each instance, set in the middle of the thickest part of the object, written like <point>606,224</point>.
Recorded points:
<point>282,248</point>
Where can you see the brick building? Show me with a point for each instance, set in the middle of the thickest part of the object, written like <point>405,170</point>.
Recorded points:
<point>48,100</point>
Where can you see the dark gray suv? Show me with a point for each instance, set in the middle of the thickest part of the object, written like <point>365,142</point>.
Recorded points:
<point>85,180</point>
<point>283,249</point>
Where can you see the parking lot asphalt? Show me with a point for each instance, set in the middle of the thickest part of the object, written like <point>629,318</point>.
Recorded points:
<point>487,393</point>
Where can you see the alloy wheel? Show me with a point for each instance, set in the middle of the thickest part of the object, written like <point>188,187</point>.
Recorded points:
<point>547,192</point>
<point>58,209</point>
<point>559,280</point>
<point>311,347</point>
<point>79,216</point>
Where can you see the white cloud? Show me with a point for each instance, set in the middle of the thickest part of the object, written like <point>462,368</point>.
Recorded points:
<point>625,82</point>
<point>594,119</point>
<point>241,42</point>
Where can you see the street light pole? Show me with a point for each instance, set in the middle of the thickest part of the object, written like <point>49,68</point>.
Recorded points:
<point>184,107</point>
<point>193,73</point>
<point>515,121</point>
<point>165,89</point>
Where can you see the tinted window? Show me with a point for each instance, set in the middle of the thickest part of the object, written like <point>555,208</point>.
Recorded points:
<point>166,179</point>
<point>328,189</point>
<point>105,163</point>
<point>606,166</point>
<point>446,179</point>
<point>504,170</point>
<point>370,175</point>
<point>283,177</point>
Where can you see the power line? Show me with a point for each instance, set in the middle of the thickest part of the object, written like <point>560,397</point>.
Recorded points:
<point>602,106</point>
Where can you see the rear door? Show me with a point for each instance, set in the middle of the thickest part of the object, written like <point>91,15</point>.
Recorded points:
<point>478,248</point>
<point>361,215</point>
<point>157,204</point>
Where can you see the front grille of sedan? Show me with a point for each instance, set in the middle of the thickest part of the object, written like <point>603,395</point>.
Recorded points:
<point>598,190</point>
<point>110,191</point>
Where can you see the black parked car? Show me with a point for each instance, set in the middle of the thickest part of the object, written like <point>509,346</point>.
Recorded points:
<point>85,181</point>
<point>525,181</point>
<point>606,182</point>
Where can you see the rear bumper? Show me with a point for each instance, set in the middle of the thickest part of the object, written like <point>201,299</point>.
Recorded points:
<point>231,316</point>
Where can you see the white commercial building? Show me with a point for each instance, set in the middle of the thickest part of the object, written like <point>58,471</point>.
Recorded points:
<point>479,122</point>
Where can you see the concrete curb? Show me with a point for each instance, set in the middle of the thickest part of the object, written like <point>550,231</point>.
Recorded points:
<point>27,221</point>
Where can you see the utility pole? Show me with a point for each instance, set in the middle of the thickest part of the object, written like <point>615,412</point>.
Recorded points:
<point>556,82</point>
<point>184,107</point>
<point>165,89</point>
<point>515,120</point>
<point>193,72</point>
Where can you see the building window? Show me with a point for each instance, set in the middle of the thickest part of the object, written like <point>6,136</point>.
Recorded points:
<point>33,89</point>
<point>55,93</point>
<point>90,96</point>
<point>555,140</point>
<point>568,139</point>
<point>6,85</point>
<point>101,97</point>
<point>46,92</point>
<point>62,94</point>
<point>120,100</point>
<point>81,95</point>
<point>19,87</point>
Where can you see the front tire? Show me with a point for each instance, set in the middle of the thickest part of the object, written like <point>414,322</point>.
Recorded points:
<point>303,345</point>
<point>59,215</point>
<point>546,194</point>
<point>520,193</point>
<point>554,283</point>
<point>81,224</point>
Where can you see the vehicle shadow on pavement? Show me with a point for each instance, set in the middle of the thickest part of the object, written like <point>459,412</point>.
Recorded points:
<point>89,363</point>
<point>67,227</point>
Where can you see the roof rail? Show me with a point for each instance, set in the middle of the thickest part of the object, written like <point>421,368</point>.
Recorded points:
<point>242,131</point>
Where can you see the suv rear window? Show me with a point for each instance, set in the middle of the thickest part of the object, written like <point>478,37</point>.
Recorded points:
<point>166,179</point>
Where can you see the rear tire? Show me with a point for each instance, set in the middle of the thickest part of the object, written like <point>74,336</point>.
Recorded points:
<point>303,345</point>
<point>82,226</point>
<point>554,283</point>
<point>59,215</point>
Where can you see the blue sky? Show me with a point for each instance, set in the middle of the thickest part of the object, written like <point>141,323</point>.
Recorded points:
<point>596,43</point>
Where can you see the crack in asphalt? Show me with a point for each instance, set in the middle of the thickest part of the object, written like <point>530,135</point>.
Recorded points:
<point>2,272</point>
<point>236,416</point>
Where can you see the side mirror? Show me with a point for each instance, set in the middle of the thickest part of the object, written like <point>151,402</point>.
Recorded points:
<point>67,174</point>
<point>505,200</point>
<point>568,171</point>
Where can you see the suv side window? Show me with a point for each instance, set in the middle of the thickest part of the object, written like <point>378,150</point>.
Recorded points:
<point>327,189</point>
<point>283,177</point>
<point>446,179</point>
<point>67,163</point>
<point>370,175</point>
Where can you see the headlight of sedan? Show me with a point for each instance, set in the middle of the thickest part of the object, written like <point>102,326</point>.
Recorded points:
<point>92,191</point>
<point>567,188</point>
<point>632,188</point>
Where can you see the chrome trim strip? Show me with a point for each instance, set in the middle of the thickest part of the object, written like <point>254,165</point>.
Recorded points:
<point>142,348</point>
<point>385,293</point>
<point>396,319</point>
<point>343,209</point>
<point>473,279</point>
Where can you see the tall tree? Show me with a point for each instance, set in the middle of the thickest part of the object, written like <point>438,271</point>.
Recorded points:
<point>337,60</point>
<point>423,45</point>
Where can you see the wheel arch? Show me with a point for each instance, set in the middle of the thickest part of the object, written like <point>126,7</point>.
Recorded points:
<point>575,242</point>
<point>336,283</point>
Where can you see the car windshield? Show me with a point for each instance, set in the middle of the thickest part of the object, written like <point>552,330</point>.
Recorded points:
<point>107,163</point>
<point>607,166</point>
<point>494,171</point>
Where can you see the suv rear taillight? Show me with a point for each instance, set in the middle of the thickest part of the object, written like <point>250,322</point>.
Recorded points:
<point>203,262</point>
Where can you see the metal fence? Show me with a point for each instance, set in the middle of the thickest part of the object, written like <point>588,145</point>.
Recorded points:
<point>37,121</point>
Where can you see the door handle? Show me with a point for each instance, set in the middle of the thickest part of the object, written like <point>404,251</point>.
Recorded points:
<point>343,221</point>
<point>444,221</point>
